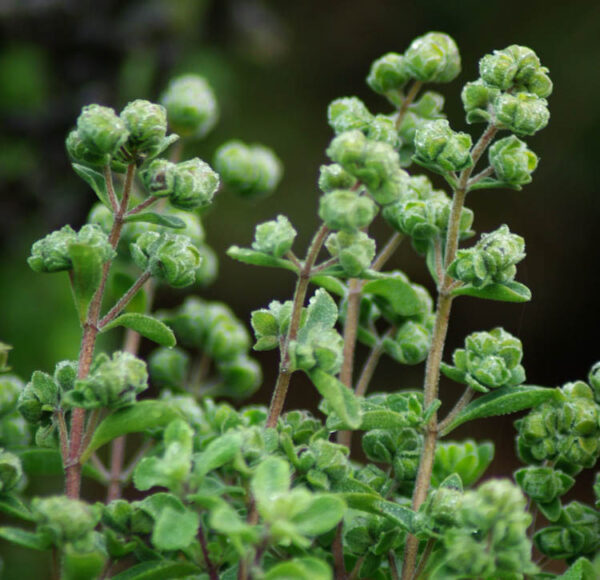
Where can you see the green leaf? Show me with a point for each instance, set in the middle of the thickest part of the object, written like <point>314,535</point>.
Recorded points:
<point>300,569</point>
<point>255,258</point>
<point>146,325</point>
<point>134,419</point>
<point>509,292</point>
<point>217,453</point>
<point>165,144</point>
<point>490,183</point>
<point>271,478</point>
<point>40,462</point>
<point>175,530</point>
<point>85,277</point>
<point>30,540</point>
<point>331,284</point>
<point>158,570</point>
<point>377,419</point>
<point>10,504</point>
<point>551,510</point>
<point>371,503</point>
<point>150,217</point>
<point>341,399</point>
<point>502,402</point>
<point>321,314</point>
<point>81,565</point>
<point>582,569</point>
<point>320,516</point>
<point>95,180</point>
<point>399,514</point>
<point>398,293</point>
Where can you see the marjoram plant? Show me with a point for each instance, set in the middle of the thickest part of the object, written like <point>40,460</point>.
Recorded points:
<point>249,492</point>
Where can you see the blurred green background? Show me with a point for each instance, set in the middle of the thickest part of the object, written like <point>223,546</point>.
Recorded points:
<point>275,66</point>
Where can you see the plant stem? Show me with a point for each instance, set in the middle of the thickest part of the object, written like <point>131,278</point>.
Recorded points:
<point>424,557</point>
<point>393,566</point>
<point>117,454</point>
<point>124,300</point>
<point>464,400</point>
<point>110,188</point>
<point>143,205</point>
<point>481,175</point>
<point>434,359</point>
<point>387,252</point>
<point>212,571</point>
<point>88,342</point>
<point>338,553</point>
<point>285,373</point>
<point>368,369</point>
<point>410,97</point>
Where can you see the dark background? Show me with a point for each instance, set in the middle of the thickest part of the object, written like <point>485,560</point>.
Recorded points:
<point>275,66</point>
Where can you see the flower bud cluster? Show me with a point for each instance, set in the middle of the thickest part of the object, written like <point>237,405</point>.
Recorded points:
<point>13,429</point>
<point>511,91</point>
<point>490,360</point>
<point>576,533</point>
<point>248,170</point>
<point>490,540</point>
<point>212,328</point>
<point>111,383</point>
<point>52,253</point>
<point>274,237</point>
<point>11,471</point>
<point>375,164</point>
<point>564,431</point>
<point>354,250</point>
<point>188,185</point>
<point>491,261</point>
<point>424,213</point>
<point>103,137</point>
<point>441,149</point>
<point>513,162</point>
<point>192,109</point>
<point>544,485</point>
<point>468,459</point>
<point>169,257</point>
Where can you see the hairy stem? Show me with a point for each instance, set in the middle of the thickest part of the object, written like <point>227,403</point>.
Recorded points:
<point>143,205</point>
<point>285,373</point>
<point>210,567</point>
<point>338,553</point>
<point>88,342</point>
<point>424,557</point>
<point>464,400</point>
<point>110,188</point>
<point>410,97</point>
<point>124,300</point>
<point>434,359</point>
<point>117,455</point>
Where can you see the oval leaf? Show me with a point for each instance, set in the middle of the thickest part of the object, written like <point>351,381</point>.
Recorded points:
<point>95,180</point>
<point>86,275</point>
<point>398,293</point>
<point>509,292</point>
<point>146,325</point>
<point>13,506</point>
<point>502,402</point>
<point>255,258</point>
<point>341,399</point>
<point>583,569</point>
<point>150,217</point>
<point>24,538</point>
<point>371,503</point>
<point>320,516</point>
<point>138,417</point>
<point>158,570</point>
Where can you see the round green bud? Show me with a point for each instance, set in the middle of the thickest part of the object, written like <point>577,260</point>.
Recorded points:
<point>112,383</point>
<point>594,379</point>
<point>383,128</point>
<point>169,257</point>
<point>522,113</point>
<point>39,397</point>
<point>512,161</point>
<point>10,389</point>
<point>195,184</point>
<point>498,69</point>
<point>225,336</point>
<point>189,323</point>
<point>347,114</point>
<point>159,177</point>
<point>64,519</point>
<point>527,61</point>
<point>477,98</point>
<point>429,106</point>
<point>11,472</point>
<point>274,237</point>
<point>191,106</point>
<point>14,431</point>
<point>80,153</point>
<point>354,250</point>
<point>241,376</point>
<point>410,344</point>
<point>101,130</point>
<point>388,73</point>
<point>543,484</point>
<point>101,216</point>
<point>436,144</point>
<point>346,210</point>
<point>348,149</point>
<point>539,83</point>
<point>168,367</point>
<point>51,254</point>
<point>334,176</point>
<point>147,126</point>
<point>248,170</point>
<point>433,57</point>
<point>208,270</point>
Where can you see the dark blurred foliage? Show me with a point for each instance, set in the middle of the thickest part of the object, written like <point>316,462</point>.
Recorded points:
<point>275,66</point>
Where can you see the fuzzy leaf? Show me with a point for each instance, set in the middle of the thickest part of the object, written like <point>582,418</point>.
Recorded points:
<point>300,569</point>
<point>582,569</point>
<point>399,293</point>
<point>150,217</point>
<point>86,276</point>
<point>490,183</point>
<point>175,530</point>
<point>551,510</point>
<point>321,314</point>
<point>255,258</point>
<point>95,180</point>
<point>42,462</point>
<point>10,504</point>
<point>320,516</point>
<point>371,503</point>
<point>378,419</point>
<point>133,419</point>
<point>508,292</point>
<point>24,538</point>
<point>331,284</point>
<point>271,478</point>
<point>502,402</point>
<point>158,570</point>
<point>217,453</point>
<point>146,325</point>
<point>341,399</point>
